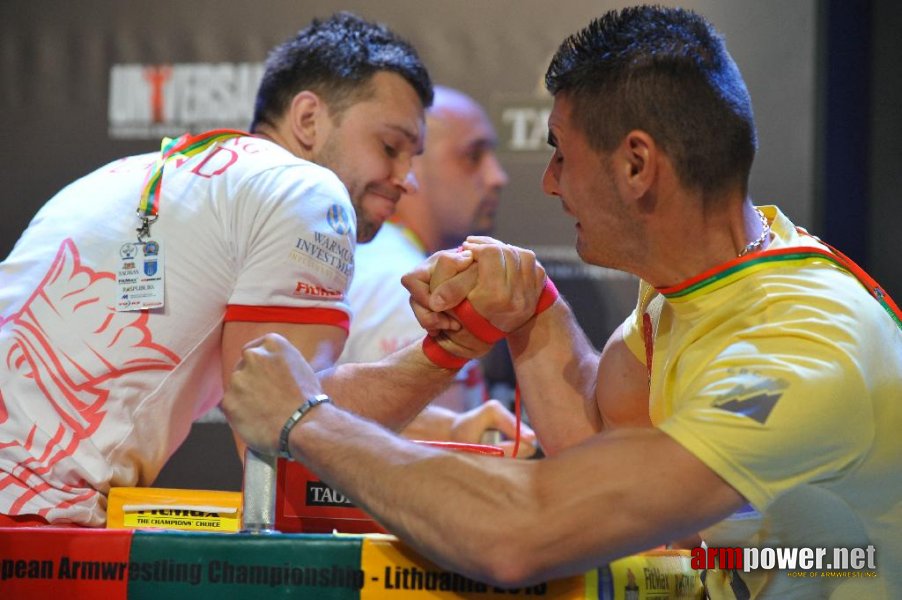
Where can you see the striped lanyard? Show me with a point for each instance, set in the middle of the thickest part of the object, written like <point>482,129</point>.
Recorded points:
<point>869,283</point>
<point>185,146</point>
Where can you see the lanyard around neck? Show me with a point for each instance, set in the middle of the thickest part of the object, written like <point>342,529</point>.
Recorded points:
<point>869,283</point>
<point>186,146</point>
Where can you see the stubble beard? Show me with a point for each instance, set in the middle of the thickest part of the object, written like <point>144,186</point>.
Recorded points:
<point>328,157</point>
<point>366,228</point>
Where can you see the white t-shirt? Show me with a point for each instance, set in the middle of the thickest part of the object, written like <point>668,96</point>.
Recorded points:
<point>92,398</point>
<point>383,319</point>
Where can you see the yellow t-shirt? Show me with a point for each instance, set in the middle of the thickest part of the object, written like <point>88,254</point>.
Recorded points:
<point>784,375</point>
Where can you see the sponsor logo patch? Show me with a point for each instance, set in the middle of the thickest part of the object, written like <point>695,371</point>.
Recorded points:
<point>755,401</point>
<point>338,219</point>
<point>302,288</point>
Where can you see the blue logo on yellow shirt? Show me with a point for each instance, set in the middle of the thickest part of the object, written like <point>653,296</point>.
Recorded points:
<point>755,402</point>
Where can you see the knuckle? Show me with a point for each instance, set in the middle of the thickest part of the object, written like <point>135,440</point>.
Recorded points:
<point>540,270</point>
<point>488,251</point>
<point>518,304</point>
<point>446,256</point>
<point>493,405</point>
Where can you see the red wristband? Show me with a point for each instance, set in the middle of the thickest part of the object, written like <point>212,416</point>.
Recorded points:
<point>480,327</point>
<point>441,357</point>
<point>476,324</point>
<point>548,297</point>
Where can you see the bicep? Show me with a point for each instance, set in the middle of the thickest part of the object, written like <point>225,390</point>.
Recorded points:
<point>320,344</point>
<point>765,398</point>
<point>621,392</point>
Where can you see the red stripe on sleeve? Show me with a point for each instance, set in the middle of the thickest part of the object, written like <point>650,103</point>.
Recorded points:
<point>281,314</point>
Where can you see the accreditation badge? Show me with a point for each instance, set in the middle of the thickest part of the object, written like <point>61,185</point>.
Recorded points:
<point>139,278</point>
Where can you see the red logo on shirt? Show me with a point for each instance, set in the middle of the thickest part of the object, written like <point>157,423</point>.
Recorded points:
<point>308,289</point>
<point>67,345</point>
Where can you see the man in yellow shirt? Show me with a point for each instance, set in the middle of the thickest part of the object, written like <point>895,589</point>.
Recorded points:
<point>753,396</point>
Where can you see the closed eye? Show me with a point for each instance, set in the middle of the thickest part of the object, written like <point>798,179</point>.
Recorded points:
<point>475,156</point>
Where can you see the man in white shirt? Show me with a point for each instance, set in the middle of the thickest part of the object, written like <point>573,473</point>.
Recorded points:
<point>113,344</point>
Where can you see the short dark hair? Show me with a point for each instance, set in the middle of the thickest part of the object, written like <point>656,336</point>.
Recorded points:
<point>667,72</point>
<point>336,58</point>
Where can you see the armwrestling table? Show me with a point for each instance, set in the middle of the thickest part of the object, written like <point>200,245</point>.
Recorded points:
<point>112,564</point>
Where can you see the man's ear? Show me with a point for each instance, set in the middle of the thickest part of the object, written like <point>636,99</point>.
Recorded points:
<point>638,156</point>
<point>306,118</point>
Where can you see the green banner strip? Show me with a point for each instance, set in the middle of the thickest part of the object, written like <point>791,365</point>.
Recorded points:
<point>189,565</point>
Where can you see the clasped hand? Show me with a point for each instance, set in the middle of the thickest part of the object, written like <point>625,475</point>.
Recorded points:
<point>502,282</point>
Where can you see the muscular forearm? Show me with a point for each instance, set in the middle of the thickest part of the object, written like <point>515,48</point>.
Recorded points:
<point>557,368</point>
<point>503,521</point>
<point>392,391</point>
<point>514,522</point>
<point>425,496</point>
<point>433,423</point>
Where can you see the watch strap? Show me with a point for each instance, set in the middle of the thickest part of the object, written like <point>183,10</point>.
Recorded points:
<point>296,416</point>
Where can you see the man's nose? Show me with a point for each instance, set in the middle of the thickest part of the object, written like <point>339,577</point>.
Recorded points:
<point>410,185</point>
<point>549,182</point>
<point>496,175</point>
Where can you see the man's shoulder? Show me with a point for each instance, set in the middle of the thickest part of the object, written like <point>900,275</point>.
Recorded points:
<point>258,155</point>
<point>264,169</point>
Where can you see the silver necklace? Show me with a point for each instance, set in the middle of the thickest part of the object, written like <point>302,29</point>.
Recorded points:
<point>765,231</point>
